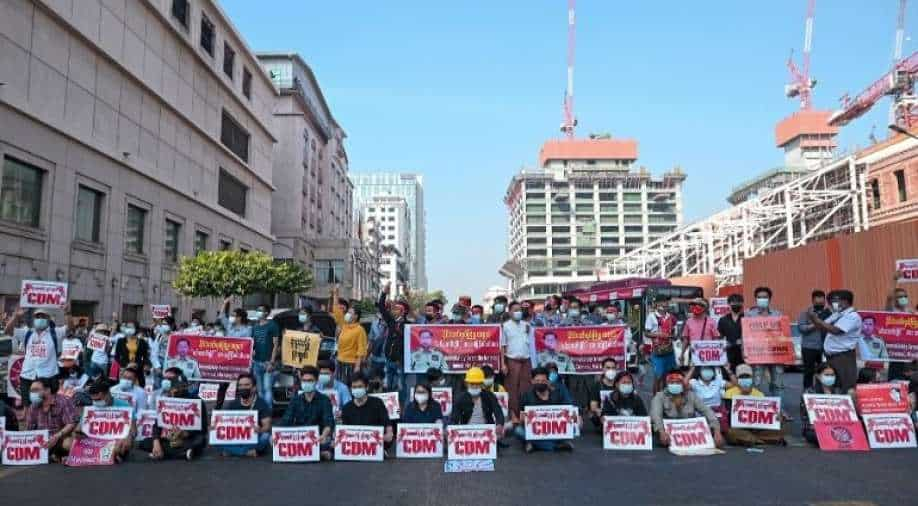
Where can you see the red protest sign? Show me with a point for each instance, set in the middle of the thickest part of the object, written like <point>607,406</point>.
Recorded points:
<point>181,414</point>
<point>161,311</point>
<point>689,436</point>
<point>145,424</point>
<point>233,427</point>
<point>49,294</point>
<point>359,442</point>
<point>443,395</point>
<point>882,398</point>
<point>451,348</point>
<point>626,433</point>
<point>390,399</point>
<point>767,340</point>
<point>88,451</point>
<point>908,270</point>
<point>24,448</point>
<point>749,412</point>
<point>503,398</point>
<point>549,422</point>
<point>896,333</point>
<point>829,408</point>
<point>841,436</point>
<point>419,441</point>
<point>709,352</point>
<point>106,423</point>
<point>471,442</point>
<point>579,350</point>
<point>295,444</point>
<point>719,306</point>
<point>891,430</point>
<point>210,358</point>
<point>14,369</point>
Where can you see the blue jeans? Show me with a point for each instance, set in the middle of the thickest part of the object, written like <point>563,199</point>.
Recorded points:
<point>545,445</point>
<point>264,441</point>
<point>662,364</point>
<point>395,380</point>
<point>265,381</point>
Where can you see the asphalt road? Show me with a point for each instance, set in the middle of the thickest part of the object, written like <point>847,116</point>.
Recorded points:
<point>792,475</point>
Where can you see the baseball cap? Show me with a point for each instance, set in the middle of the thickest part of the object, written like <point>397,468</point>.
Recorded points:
<point>743,370</point>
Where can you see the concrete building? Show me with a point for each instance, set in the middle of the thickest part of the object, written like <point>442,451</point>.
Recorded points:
<point>582,207</point>
<point>391,219</point>
<point>892,179</point>
<point>133,133</point>
<point>487,300</point>
<point>367,257</point>
<point>313,221</point>
<point>411,188</point>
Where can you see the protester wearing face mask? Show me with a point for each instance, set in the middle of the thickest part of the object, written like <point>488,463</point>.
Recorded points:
<point>498,311</point>
<point>327,382</point>
<point>366,410</point>
<point>54,413</point>
<point>132,349</point>
<point>476,405</point>
<point>775,386</point>
<point>422,408</point>
<point>71,378</point>
<point>844,328</point>
<point>555,382</point>
<point>675,402</point>
<point>266,350</point>
<point>699,326</point>
<point>40,347</point>
<point>550,316</point>
<point>158,351</point>
<point>575,316</point>
<point>475,315</point>
<point>709,384</point>
<point>824,383</point>
<point>353,343</point>
<point>459,314</point>
<point>247,400</point>
<point>170,376</point>
<point>171,443</point>
<point>515,344</point>
<point>749,437</point>
<point>730,327</point>
<point>898,302</point>
<point>235,324</point>
<point>603,386</point>
<point>394,347</point>
<point>490,384</point>
<point>100,392</point>
<point>311,407</point>
<point>541,394</point>
<point>659,328</point>
<point>128,389</point>
<point>623,400</point>
<point>811,337</point>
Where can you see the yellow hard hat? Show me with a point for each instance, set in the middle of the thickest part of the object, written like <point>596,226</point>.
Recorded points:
<point>474,375</point>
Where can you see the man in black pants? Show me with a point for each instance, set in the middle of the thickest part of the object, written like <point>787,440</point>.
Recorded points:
<point>811,337</point>
<point>730,327</point>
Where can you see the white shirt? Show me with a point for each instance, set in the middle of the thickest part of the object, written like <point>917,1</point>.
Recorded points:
<point>516,337</point>
<point>849,322</point>
<point>135,396</point>
<point>40,358</point>
<point>711,393</point>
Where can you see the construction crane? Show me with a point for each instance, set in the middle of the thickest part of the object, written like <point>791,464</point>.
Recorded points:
<point>801,85</point>
<point>570,121</point>
<point>899,83</point>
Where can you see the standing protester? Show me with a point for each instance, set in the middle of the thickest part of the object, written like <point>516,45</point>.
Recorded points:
<point>498,310</point>
<point>811,337</point>
<point>394,348</point>
<point>824,382</point>
<point>699,326</point>
<point>98,359</point>
<point>235,324</point>
<point>898,302</point>
<point>40,345</point>
<point>730,326</point>
<point>660,327</point>
<point>266,349</point>
<point>459,314</point>
<point>247,399</point>
<point>352,338</point>
<point>160,347</point>
<point>763,296</point>
<point>54,413</point>
<point>475,315</point>
<point>515,341</point>
<point>550,315</point>
<point>843,329</point>
<point>133,350</point>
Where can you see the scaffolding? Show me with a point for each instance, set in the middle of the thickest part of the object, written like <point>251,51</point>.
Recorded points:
<point>830,200</point>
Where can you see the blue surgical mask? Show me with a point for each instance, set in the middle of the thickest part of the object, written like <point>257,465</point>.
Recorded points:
<point>100,403</point>
<point>359,393</point>
<point>475,318</point>
<point>259,315</point>
<point>324,379</point>
<point>35,397</point>
<point>745,383</point>
<point>903,301</point>
<point>674,388</point>
<point>124,383</point>
<point>303,318</point>
<point>707,374</point>
<point>308,387</point>
<point>41,323</point>
<point>128,331</point>
<point>573,313</point>
<point>162,329</point>
<point>626,388</point>
<point>517,315</point>
<point>762,302</point>
<point>553,377</point>
<point>498,308</point>
<point>827,379</point>
<point>457,316</point>
<point>165,385</point>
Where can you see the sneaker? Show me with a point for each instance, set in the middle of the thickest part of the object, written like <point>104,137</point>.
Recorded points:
<point>528,448</point>
<point>326,455</point>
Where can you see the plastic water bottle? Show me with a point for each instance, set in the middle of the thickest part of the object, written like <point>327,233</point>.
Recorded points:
<point>755,450</point>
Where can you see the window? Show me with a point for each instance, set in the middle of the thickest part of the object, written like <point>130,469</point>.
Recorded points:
<point>180,11</point>
<point>88,214</point>
<point>875,186</point>
<point>229,59</point>
<point>329,272</point>
<point>246,83</point>
<point>200,242</point>
<point>900,185</point>
<point>207,35</point>
<point>234,137</point>
<point>171,244</point>
<point>225,245</point>
<point>134,232</point>
<point>231,193</point>
<point>20,193</point>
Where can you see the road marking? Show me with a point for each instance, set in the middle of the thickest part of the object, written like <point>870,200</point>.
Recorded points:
<point>843,503</point>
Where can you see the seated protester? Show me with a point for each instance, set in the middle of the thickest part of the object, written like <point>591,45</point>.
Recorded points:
<point>71,378</point>
<point>366,410</point>
<point>490,382</point>
<point>311,407</point>
<point>128,388</point>
<point>477,405</point>
<point>436,378</point>
<point>605,383</point>
<point>422,409</point>
<point>169,443</point>
<point>375,385</point>
<point>554,381</point>
<point>709,383</point>
<point>170,376</point>
<point>748,437</point>
<point>541,394</point>
<point>623,401</point>
<point>247,399</point>
<point>328,381</point>
<point>674,402</point>
<point>824,382</point>
<point>54,413</point>
<point>100,392</point>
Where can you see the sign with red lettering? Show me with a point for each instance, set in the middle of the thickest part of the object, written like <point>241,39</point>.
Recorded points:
<point>626,433</point>
<point>908,270</point>
<point>882,398</point>
<point>549,422</point>
<point>579,350</point>
<point>234,427</point>
<point>332,395</point>
<point>443,395</point>
<point>767,340</point>
<point>689,436</point>
<point>503,398</point>
<point>896,334</point>
<point>709,352</point>
<point>24,448</point>
<point>295,444</point>
<point>359,442</point>
<point>829,408</point>
<point>841,436</point>
<point>145,424</point>
<point>106,423</point>
<point>14,369</point>
<point>97,342</point>
<point>756,413</point>
<point>43,294</point>
<point>419,441</point>
<point>161,311</point>
<point>892,430</point>
<point>90,451</point>
<point>719,306</point>
<point>70,350</point>
<point>471,442</point>
<point>210,358</point>
<point>181,414</point>
<point>451,348</point>
<point>390,399</point>
<point>207,392</point>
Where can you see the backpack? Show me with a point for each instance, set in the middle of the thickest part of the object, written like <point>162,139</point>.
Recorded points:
<point>25,343</point>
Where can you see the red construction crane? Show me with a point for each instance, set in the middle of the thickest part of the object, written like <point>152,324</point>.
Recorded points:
<point>801,85</point>
<point>570,121</point>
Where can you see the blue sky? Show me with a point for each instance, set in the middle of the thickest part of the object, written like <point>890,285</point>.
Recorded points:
<point>466,92</point>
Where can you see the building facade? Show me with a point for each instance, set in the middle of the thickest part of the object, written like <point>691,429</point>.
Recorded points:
<point>410,187</point>
<point>583,207</point>
<point>892,179</point>
<point>133,133</point>
<point>390,217</point>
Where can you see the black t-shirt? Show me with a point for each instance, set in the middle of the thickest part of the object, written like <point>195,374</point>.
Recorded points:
<point>729,329</point>
<point>373,412</point>
<point>264,411</point>
<point>598,387</point>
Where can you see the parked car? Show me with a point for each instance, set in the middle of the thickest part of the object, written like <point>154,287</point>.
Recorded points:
<point>286,383</point>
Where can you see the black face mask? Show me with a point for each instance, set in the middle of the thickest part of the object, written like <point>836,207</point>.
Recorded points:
<point>245,393</point>
<point>541,388</point>
<point>819,307</point>
<point>736,308</point>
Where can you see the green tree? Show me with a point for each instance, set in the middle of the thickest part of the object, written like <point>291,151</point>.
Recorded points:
<point>234,273</point>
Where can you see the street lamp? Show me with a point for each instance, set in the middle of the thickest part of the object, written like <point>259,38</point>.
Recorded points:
<point>898,129</point>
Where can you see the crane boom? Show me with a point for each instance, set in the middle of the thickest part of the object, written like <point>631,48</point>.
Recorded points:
<point>570,121</point>
<point>900,31</point>
<point>899,80</point>
<point>801,85</point>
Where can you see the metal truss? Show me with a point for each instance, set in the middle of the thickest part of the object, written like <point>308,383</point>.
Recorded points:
<point>829,201</point>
